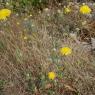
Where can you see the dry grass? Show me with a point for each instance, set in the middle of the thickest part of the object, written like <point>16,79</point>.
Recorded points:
<point>25,63</point>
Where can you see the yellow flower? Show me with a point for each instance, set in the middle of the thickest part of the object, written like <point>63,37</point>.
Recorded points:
<point>85,9</point>
<point>4,13</point>
<point>67,10</point>
<point>65,51</point>
<point>51,75</point>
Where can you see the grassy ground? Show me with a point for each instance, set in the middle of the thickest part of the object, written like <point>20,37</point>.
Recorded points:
<point>30,49</point>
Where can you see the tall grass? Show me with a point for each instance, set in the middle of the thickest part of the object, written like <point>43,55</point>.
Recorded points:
<point>30,48</point>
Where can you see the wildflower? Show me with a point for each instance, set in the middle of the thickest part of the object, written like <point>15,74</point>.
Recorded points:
<point>65,51</point>
<point>85,9</point>
<point>67,10</point>
<point>51,75</point>
<point>4,13</point>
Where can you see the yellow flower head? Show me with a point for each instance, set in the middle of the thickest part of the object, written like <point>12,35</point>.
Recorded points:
<point>51,75</point>
<point>67,10</point>
<point>65,51</point>
<point>85,9</point>
<point>4,13</point>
